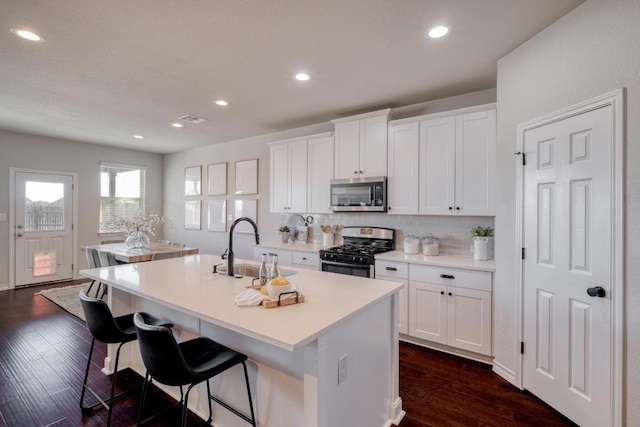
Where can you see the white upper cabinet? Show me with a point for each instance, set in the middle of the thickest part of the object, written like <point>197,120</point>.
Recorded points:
<point>320,173</point>
<point>476,163</point>
<point>288,176</point>
<point>457,164</point>
<point>437,166</point>
<point>361,145</point>
<point>403,165</point>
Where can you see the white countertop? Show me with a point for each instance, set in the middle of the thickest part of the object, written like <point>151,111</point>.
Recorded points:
<point>187,285</point>
<point>297,246</point>
<point>453,261</point>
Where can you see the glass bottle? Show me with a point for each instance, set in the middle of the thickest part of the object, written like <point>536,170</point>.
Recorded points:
<point>275,268</point>
<point>264,270</point>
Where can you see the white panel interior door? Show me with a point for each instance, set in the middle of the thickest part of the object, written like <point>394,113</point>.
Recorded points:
<point>43,227</point>
<point>567,237</point>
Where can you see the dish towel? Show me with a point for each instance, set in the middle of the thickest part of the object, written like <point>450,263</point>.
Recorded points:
<point>250,298</point>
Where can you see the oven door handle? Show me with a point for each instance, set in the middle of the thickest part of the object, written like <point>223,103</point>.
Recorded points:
<point>345,264</point>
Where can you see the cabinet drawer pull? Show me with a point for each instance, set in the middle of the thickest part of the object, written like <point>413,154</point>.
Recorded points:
<point>391,269</point>
<point>447,276</point>
<point>441,292</point>
<point>304,258</point>
<point>450,294</point>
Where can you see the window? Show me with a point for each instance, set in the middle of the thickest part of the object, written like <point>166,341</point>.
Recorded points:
<point>121,194</point>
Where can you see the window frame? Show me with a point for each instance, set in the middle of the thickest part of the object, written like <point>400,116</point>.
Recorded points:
<point>112,190</point>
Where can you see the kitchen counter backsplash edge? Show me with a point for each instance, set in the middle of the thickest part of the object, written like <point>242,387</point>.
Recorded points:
<point>297,246</point>
<point>452,261</point>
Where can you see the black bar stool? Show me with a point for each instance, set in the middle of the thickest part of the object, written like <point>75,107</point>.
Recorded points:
<point>110,330</point>
<point>190,362</point>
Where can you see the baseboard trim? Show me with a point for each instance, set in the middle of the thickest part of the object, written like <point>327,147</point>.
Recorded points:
<point>446,349</point>
<point>4,287</point>
<point>504,372</point>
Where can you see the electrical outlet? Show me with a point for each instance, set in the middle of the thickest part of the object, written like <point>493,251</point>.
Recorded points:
<point>342,369</point>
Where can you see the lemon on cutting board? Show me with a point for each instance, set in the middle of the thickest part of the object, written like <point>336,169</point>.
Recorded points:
<point>279,281</point>
<point>264,290</point>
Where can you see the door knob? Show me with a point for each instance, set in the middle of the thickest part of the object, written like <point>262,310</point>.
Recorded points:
<point>597,291</point>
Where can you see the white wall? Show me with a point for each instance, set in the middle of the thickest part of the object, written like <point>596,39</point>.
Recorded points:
<point>592,50</point>
<point>42,153</point>
<point>252,148</point>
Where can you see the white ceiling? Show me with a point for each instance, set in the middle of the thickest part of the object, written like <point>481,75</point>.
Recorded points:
<point>112,69</point>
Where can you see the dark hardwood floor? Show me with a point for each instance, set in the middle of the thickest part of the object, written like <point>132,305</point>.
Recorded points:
<point>43,351</point>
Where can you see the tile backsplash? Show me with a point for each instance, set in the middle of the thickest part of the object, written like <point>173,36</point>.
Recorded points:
<point>454,231</point>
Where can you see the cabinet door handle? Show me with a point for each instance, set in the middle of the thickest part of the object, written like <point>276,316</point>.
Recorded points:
<point>441,292</point>
<point>304,258</point>
<point>450,208</point>
<point>388,208</point>
<point>355,172</point>
<point>359,171</point>
<point>457,208</point>
<point>450,294</point>
<point>447,276</point>
<point>391,269</point>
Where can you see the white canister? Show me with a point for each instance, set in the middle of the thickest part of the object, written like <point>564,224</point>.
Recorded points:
<point>327,239</point>
<point>411,244</point>
<point>481,248</point>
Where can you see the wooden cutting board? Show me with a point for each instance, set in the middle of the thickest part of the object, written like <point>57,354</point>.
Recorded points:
<point>286,301</point>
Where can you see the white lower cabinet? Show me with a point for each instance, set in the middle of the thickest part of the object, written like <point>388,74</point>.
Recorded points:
<point>397,272</point>
<point>284,255</point>
<point>308,260</point>
<point>450,307</point>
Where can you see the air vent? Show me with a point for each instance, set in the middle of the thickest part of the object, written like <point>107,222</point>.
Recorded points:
<point>190,118</point>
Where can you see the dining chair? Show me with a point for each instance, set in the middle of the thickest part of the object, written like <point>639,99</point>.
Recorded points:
<point>93,260</point>
<point>187,363</point>
<point>107,259</point>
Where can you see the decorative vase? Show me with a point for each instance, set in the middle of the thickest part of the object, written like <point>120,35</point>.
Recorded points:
<point>137,239</point>
<point>482,248</point>
<point>285,236</point>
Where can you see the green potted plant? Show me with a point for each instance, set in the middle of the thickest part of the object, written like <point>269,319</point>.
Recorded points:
<point>285,233</point>
<point>482,243</point>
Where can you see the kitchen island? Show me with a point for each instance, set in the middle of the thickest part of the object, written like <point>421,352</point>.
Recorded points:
<point>294,352</point>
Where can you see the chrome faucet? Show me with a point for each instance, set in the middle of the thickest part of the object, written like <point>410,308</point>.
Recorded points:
<point>229,251</point>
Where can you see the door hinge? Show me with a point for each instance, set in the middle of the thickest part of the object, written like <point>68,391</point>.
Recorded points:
<point>71,267</point>
<point>522,254</point>
<point>521,347</point>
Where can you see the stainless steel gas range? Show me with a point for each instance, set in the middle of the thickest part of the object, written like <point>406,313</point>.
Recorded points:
<point>356,257</point>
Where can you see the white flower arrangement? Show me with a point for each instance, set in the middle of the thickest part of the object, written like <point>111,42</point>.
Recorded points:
<point>141,222</point>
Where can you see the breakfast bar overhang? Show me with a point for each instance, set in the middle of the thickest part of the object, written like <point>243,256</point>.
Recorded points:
<point>330,361</point>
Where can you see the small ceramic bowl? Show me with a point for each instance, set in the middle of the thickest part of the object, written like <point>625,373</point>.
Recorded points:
<point>275,290</point>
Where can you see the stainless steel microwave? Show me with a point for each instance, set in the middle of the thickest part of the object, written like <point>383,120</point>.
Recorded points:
<point>359,194</point>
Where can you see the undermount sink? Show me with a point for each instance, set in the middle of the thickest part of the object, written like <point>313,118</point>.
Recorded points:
<point>251,270</point>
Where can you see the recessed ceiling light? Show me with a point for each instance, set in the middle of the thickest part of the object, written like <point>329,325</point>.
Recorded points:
<point>437,32</point>
<point>221,102</point>
<point>176,125</point>
<point>27,35</point>
<point>303,77</point>
<point>138,136</point>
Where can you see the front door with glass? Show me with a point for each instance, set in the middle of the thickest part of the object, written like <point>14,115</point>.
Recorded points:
<point>43,227</point>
